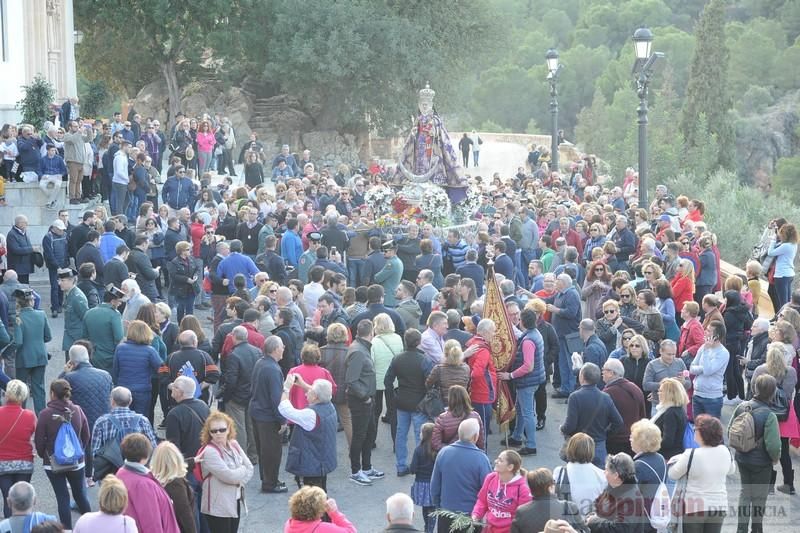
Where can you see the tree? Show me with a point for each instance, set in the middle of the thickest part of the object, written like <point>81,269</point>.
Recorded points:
<point>35,105</point>
<point>786,178</point>
<point>164,36</point>
<point>707,91</point>
<point>95,96</point>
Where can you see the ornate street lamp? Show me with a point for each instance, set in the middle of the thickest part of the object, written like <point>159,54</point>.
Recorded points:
<point>643,70</point>
<point>553,69</point>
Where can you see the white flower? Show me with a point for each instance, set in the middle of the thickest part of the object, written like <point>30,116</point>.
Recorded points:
<point>435,205</point>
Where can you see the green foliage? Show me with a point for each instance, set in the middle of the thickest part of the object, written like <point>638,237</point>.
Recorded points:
<point>787,178</point>
<point>460,521</point>
<point>753,56</point>
<point>493,127</point>
<point>35,105</point>
<point>755,99</point>
<point>707,91</point>
<point>737,213</point>
<point>94,97</point>
<point>533,128</point>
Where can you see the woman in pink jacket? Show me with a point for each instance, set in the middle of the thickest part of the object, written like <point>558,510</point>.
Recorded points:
<point>307,506</point>
<point>205,146</point>
<point>503,491</point>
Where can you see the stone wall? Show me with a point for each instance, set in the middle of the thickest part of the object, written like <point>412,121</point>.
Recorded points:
<point>27,199</point>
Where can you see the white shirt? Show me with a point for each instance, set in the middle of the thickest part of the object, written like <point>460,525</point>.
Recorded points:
<point>311,294</point>
<point>120,168</point>
<point>305,418</point>
<point>710,468</point>
<point>586,483</point>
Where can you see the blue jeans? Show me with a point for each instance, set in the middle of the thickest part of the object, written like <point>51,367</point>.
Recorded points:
<point>526,416</point>
<point>783,288</point>
<point>709,406</point>
<point>140,401</point>
<point>484,410</point>
<point>184,306</point>
<point>355,268</point>
<point>475,156</point>
<point>200,522</point>
<point>76,483</point>
<point>600,454</point>
<point>56,294</point>
<point>565,367</point>
<point>404,420</point>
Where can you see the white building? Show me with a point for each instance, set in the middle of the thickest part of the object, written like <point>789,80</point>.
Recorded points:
<point>36,37</point>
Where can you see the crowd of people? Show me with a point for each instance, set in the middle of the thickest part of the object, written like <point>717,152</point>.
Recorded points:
<point>316,320</point>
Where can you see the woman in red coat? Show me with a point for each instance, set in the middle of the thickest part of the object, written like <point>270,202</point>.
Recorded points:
<point>17,425</point>
<point>692,334</point>
<point>483,383</point>
<point>683,285</point>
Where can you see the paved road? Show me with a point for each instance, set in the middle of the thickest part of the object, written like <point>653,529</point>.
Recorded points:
<point>365,505</point>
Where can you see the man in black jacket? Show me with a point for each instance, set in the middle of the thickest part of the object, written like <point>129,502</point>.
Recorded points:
<point>205,371</point>
<point>332,236</point>
<point>271,263</point>
<point>80,234</point>
<point>124,232</point>
<point>139,264</point>
<point>115,271</point>
<point>237,370</point>
<point>247,232</point>
<point>172,237</point>
<point>90,253</point>
<point>408,368</point>
<point>234,308</point>
<point>360,385</point>
<point>186,419</point>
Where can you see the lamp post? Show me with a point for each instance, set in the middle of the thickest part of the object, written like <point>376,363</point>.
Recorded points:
<point>643,69</point>
<point>553,69</point>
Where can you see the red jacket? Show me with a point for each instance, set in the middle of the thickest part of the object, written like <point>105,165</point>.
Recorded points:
<point>483,384</point>
<point>682,291</point>
<point>254,338</point>
<point>16,430</point>
<point>692,337</point>
<point>309,373</point>
<point>197,230</point>
<point>572,237</point>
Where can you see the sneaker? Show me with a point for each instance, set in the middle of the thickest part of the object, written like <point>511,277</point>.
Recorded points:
<point>361,478</point>
<point>787,489</point>
<point>403,472</point>
<point>558,394</point>
<point>374,474</point>
<point>527,451</point>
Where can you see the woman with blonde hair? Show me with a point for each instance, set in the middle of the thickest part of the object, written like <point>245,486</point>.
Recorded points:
<point>451,371</point>
<point>112,499</point>
<point>636,361</point>
<point>307,507</point>
<point>671,416</point>
<point>135,361</point>
<point>786,379</point>
<point>225,471</point>
<point>683,284</point>
<point>169,468</point>
<point>651,466</point>
<point>627,301</point>
<point>386,344</point>
<point>753,272</point>
<point>783,335</point>
<point>17,426</point>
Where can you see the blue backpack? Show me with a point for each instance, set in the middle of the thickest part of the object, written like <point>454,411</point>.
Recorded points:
<point>67,450</point>
<point>688,437</point>
<point>188,370</point>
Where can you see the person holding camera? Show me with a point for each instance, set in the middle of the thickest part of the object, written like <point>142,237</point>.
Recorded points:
<point>708,368</point>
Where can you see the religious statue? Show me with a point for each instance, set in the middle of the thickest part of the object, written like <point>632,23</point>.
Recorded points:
<point>428,155</point>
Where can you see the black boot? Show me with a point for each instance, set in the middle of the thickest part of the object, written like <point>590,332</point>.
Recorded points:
<point>788,483</point>
<point>772,479</point>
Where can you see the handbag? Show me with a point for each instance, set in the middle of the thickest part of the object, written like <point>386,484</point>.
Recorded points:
<point>37,259</point>
<point>574,342</point>
<point>108,458</point>
<point>431,405</point>
<point>563,491</point>
<point>678,496</point>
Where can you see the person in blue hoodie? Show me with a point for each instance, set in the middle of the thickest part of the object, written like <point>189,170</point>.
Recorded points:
<point>52,168</point>
<point>178,190</point>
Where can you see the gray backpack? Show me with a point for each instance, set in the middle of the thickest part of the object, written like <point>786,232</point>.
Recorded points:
<point>742,431</point>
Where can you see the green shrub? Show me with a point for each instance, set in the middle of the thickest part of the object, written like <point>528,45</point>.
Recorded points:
<point>35,105</point>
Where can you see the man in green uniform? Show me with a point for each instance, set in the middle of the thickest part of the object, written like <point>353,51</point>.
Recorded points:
<point>103,326</point>
<point>30,338</point>
<point>391,273</point>
<point>74,307</point>
<point>309,257</point>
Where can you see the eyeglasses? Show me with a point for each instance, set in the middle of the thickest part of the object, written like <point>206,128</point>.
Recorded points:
<point>626,338</point>
<point>609,311</point>
<point>632,345</point>
<point>625,296</point>
<point>648,273</point>
<point>273,290</point>
<point>218,430</point>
